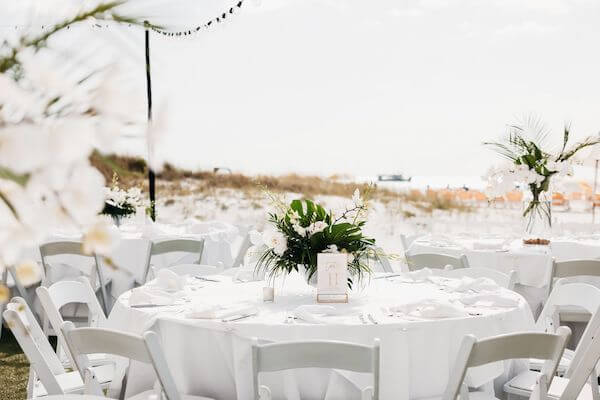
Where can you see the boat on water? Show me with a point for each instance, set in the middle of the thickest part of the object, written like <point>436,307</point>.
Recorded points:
<point>393,178</point>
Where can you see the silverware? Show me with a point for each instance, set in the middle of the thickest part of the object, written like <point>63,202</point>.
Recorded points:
<point>361,316</point>
<point>387,276</point>
<point>206,279</point>
<point>152,305</point>
<point>236,317</point>
<point>372,319</point>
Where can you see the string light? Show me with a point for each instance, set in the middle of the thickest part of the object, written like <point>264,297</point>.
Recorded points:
<point>186,32</point>
<point>206,25</point>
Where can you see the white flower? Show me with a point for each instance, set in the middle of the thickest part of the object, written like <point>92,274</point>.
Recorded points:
<point>294,217</point>
<point>28,273</point>
<point>332,248</point>
<point>316,227</point>
<point>24,148</point>
<point>356,199</point>
<point>276,241</point>
<point>101,238</point>
<point>299,229</point>
<point>83,196</point>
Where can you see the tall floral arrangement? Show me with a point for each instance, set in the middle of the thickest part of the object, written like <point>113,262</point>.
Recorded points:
<point>53,112</point>
<point>302,229</point>
<point>531,164</point>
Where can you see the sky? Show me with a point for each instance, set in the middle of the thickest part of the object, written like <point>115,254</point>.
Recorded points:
<point>365,87</point>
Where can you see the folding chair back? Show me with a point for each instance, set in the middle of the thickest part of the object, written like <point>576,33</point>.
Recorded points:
<point>316,354</point>
<point>474,353</point>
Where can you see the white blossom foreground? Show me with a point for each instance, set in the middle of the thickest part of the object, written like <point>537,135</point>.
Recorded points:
<point>53,113</point>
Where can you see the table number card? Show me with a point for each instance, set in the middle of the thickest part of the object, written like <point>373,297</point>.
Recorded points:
<point>332,278</point>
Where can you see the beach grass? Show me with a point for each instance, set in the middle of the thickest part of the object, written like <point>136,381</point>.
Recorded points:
<point>177,182</point>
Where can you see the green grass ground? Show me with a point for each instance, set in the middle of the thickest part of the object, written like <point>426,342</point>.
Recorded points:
<point>14,369</point>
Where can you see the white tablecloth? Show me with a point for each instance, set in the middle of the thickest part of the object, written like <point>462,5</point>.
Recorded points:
<point>130,255</point>
<point>211,358</point>
<point>532,263</point>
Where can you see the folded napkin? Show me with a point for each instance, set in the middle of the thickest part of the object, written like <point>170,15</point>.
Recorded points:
<point>466,284</point>
<point>314,313</point>
<point>206,311</point>
<point>431,308</point>
<point>247,273</point>
<point>498,299</point>
<point>146,295</point>
<point>168,280</point>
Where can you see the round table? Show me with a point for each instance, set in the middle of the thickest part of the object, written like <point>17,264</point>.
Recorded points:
<point>532,263</point>
<point>212,358</point>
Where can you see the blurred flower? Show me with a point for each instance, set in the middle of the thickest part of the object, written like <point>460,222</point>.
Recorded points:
<point>102,238</point>
<point>83,196</point>
<point>4,294</point>
<point>28,273</point>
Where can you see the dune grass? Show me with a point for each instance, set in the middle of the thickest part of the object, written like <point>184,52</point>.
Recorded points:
<point>173,181</point>
<point>14,369</point>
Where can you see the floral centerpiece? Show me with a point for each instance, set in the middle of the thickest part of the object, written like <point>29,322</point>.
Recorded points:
<point>303,229</point>
<point>121,203</point>
<point>534,167</point>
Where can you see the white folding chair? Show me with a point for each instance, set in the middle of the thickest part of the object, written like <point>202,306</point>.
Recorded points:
<point>572,294</point>
<point>315,354</point>
<point>146,349</point>
<point>573,385</point>
<point>474,353</point>
<point>46,373</point>
<point>573,269</point>
<point>173,246</point>
<point>60,294</point>
<point>407,240</point>
<point>431,260</point>
<point>504,280</point>
<point>71,248</point>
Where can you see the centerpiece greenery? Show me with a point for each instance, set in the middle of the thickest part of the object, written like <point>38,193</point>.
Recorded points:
<point>120,203</point>
<point>303,229</point>
<point>530,164</point>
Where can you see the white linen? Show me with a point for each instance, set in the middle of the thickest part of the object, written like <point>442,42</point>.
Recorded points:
<point>148,296</point>
<point>431,308</point>
<point>130,255</point>
<point>417,353</point>
<point>205,311</point>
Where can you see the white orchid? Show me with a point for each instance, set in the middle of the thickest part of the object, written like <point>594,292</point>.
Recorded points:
<point>316,227</point>
<point>276,241</point>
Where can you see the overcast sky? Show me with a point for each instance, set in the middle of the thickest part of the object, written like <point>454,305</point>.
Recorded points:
<point>377,86</point>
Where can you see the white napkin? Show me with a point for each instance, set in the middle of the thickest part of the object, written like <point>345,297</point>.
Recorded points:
<point>168,280</point>
<point>498,299</point>
<point>248,274</point>
<point>206,311</point>
<point>314,313</point>
<point>466,284</point>
<point>431,308</point>
<point>147,295</point>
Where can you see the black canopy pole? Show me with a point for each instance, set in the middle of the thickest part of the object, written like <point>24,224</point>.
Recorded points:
<point>151,176</point>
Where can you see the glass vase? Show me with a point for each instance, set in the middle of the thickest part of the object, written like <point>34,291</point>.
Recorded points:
<point>537,216</point>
